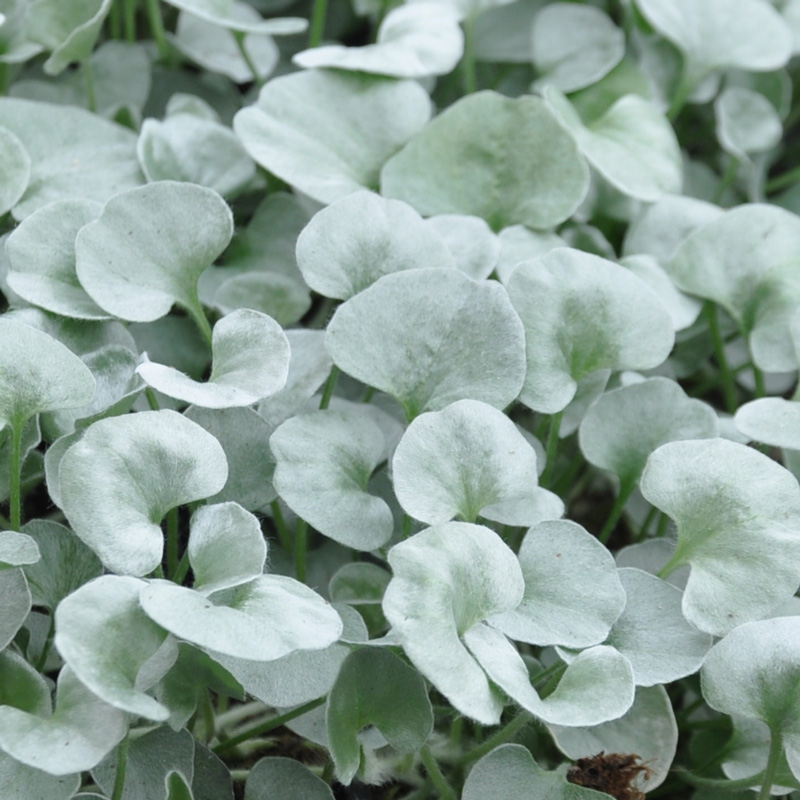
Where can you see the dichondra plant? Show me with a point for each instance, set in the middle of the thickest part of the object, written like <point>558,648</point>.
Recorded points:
<point>399,400</point>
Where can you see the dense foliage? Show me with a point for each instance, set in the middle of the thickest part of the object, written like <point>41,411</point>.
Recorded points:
<point>398,400</point>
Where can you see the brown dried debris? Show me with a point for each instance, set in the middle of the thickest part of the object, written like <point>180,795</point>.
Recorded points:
<point>612,773</point>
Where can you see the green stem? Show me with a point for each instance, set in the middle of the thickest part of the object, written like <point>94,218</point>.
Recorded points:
<point>115,21</point>
<point>625,491</point>
<point>300,546</point>
<point>172,543</point>
<point>408,524</point>
<point>183,568</point>
<point>207,710</point>
<point>727,179</point>
<point>443,788</point>
<point>780,181</point>
<point>568,476</point>
<point>317,27</point>
<point>152,400</point>
<point>725,784</point>
<point>157,28</point>
<point>728,383</point>
<point>41,662</point>
<point>682,92</point>
<point>268,725</point>
<point>651,515</point>
<point>468,61</point>
<point>503,735</point>
<point>327,392</point>
<point>771,772</point>
<point>15,485</point>
<point>129,18</point>
<point>195,310</point>
<point>239,36</point>
<point>551,449</point>
<point>369,394</point>
<point>122,767</point>
<point>758,378</point>
<point>88,77</point>
<point>280,526</point>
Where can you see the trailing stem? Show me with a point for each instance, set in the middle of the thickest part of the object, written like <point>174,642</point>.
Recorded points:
<point>122,767</point>
<point>317,27</point>
<point>625,491</point>
<point>15,487</point>
<point>300,547</point>
<point>468,62</point>
<point>728,384</point>
<point>327,392</point>
<point>551,449</point>
<point>437,778</point>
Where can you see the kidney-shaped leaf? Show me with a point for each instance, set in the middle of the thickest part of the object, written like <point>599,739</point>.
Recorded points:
<point>148,248</point>
<point>227,14</point>
<point>446,580</point>
<point>597,686</point>
<point>261,620</point>
<point>106,638</point>
<point>431,337</point>
<point>632,145</point>
<point>323,464</point>
<point>123,476</point>
<point>73,153</point>
<point>721,34</point>
<point>747,122</point>
<point>572,592</point>
<point>21,782</point>
<point>41,255</point>
<point>510,773</point>
<point>347,246</point>
<point>75,738</point>
<point>738,518</point>
<point>377,688</point>
<point>15,170</point>
<point>329,133</point>
<point>648,729</point>
<point>747,261</point>
<point>755,672</point>
<point>574,45</point>
<point>38,373</point>
<point>415,40</point>
<point>772,420</point>
<point>652,632</point>
<point>271,777</point>
<point>508,161</point>
<point>583,313</point>
<point>226,547</point>
<point>250,361</point>
<point>625,425</point>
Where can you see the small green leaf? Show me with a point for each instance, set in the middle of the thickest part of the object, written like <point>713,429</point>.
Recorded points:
<point>753,672</point>
<point>376,688</point>
<point>509,773</point>
<point>507,161</point>
<point>122,477</point>
<point>38,373</point>
<point>323,463</point>
<point>632,145</point>
<point>431,337</point>
<point>15,170</point>
<point>416,40</point>
<point>261,620</point>
<point>226,547</point>
<point>347,246</point>
<point>271,776</point>
<point>74,154</point>
<point>250,361</point>
<point>647,729</point>
<point>177,149</point>
<point>738,518</point>
<point>572,592</point>
<point>721,34</point>
<point>446,579</point>
<point>467,460</point>
<point>75,738</point>
<point>214,47</point>
<point>328,133</point>
<point>625,425</point>
<point>106,638</point>
<point>652,633</point>
<point>69,32</point>
<point>66,563</point>
<point>597,686</point>
<point>147,249</point>
<point>574,46</point>
<point>583,313</point>
<point>227,14</point>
